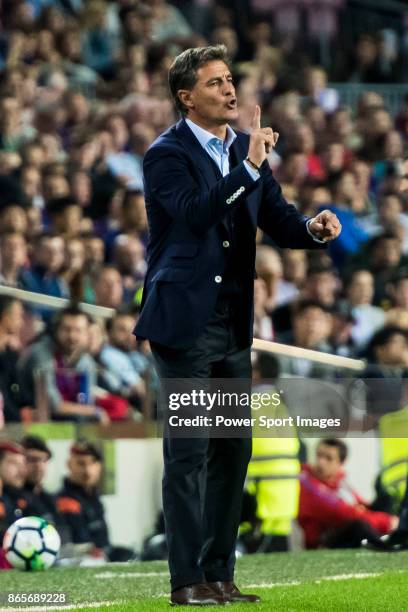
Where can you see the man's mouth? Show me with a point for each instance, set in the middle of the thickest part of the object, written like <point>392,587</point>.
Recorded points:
<point>232,103</point>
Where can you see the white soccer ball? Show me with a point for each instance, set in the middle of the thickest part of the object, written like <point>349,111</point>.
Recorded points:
<point>31,544</point>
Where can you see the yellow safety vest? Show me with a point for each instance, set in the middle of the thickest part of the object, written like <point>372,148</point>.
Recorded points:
<point>393,429</point>
<point>273,477</point>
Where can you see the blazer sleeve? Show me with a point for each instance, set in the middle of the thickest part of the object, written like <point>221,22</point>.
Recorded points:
<point>280,220</point>
<point>169,180</point>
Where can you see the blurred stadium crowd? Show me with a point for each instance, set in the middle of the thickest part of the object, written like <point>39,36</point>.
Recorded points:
<point>84,93</point>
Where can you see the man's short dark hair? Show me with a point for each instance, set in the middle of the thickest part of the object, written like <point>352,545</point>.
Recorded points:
<point>127,310</point>
<point>73,310</point>
<point>56,206</point>
<point>384,335</point>
<point>183,71</point>
<point>300,306</point>
<point>35,443</point>
<point>339,444</point>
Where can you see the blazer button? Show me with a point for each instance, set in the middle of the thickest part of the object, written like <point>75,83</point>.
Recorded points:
<point>218,279</point>
<point>225,244</point>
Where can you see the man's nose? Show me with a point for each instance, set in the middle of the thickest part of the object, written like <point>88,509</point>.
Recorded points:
<point>229,89</point>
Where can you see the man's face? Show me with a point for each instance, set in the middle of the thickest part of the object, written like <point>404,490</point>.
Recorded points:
<point>94,251</point>
<point>50,253</point>
<point>212,98</point>
<point>121,334</point>
<point>134,214</point>
<point>69,220</point>
<point>311,326</point>
<point>322,287</point>
<point>12,320</point>
<point>73,334</point>
<point>328,462</point>
<point>13,250</point>
<point>84,470</point>
<point>394,352</point>
<point>37,461</point>
<point>404,180</point>
<point>109,289</point>
<point>13,469</point>
<point>361,289</point>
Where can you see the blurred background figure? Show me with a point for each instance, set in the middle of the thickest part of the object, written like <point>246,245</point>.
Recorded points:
<point>79,503</point>
<point>331,513</point>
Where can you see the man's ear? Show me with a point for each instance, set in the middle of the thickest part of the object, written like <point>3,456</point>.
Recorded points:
<point>185,97</point>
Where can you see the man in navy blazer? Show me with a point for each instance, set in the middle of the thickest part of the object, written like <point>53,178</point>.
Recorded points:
<point>207,189</point>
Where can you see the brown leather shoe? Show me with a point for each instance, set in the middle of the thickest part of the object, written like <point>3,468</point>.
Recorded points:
<point>231,593</point>
<point>196,595</point>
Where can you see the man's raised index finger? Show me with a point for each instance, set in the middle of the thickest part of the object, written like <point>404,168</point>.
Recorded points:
<point>256,121</point>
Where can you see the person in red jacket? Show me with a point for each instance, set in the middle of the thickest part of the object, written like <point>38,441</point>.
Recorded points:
<point>331,513</point>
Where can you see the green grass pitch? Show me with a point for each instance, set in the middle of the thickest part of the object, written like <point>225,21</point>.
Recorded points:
<point>349,581</point>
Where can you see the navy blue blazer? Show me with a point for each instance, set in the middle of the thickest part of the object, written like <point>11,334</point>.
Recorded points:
<point>187,201</point>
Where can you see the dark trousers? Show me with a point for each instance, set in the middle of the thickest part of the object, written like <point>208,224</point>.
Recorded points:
<point>204,477</point>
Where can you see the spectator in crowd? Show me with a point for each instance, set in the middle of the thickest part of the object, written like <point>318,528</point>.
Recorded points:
<point>132,218</point>
<point>13,218</point>
<point>269,269</point>
<point>11,323</point>
<point>80,505</point>
<point>359,290</point>
<point>384,257</point>
<point>125,365</point>
<point>129,258</point>
<point>387,370</point>
<point>85,94</point>
<point>13,258</point>
<point>311,329</point>
<point>397,315</point>
<point>12,476</point>
<point>295,267</point>
<point>263,327</point>
<point>341,338</point>
<point>44,276</point>
<point>94,252</point>
<point>73,271</point>
<point>320,285</point>
<point>331,513</point>
<point>39,501</point>
<point>65,215</point>
<point>108,287</point>
<point>60,363</point>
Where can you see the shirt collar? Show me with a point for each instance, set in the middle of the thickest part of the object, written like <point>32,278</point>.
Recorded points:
<point>205,138</point>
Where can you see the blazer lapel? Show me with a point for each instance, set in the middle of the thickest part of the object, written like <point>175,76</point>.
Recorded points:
<point>206,166</point>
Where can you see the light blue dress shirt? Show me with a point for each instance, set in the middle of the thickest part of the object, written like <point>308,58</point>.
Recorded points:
<point>218,150</point>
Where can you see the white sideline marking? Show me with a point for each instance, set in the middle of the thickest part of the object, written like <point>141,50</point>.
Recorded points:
<point>269,585</point>
<point>79,604</point>
<point>108,575</point>
<point>266,585</point>
<point>350,576</point>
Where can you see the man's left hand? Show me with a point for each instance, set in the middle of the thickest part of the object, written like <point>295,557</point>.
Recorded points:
<point>325,226</point>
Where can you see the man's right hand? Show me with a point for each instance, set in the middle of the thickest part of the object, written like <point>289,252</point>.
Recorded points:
<point>262,139</point>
